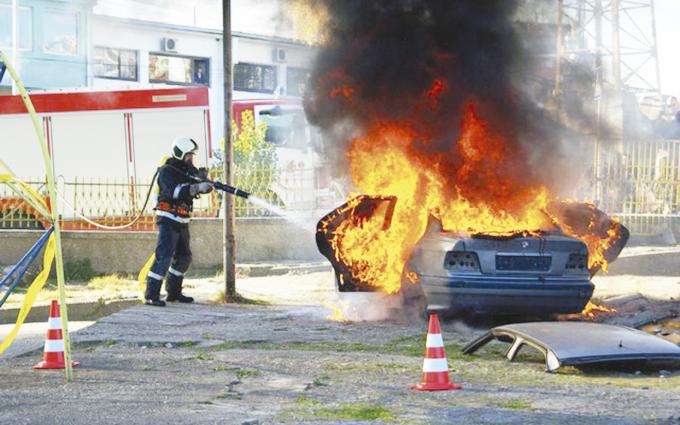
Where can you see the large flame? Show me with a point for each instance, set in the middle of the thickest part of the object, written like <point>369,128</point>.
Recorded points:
<point>477,188</point>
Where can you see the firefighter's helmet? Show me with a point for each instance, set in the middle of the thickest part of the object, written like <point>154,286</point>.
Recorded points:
<point>182,146</point>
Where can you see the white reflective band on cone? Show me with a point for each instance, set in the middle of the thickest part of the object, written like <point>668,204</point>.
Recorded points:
<point>54,323</point>
<point>175,272</point>
<point>434,341</point>
<point>435,365</point>
<point>54,346</point>
<point>154,275</point>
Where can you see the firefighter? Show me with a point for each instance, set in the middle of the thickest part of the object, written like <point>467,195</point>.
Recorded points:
<point>177,190</point>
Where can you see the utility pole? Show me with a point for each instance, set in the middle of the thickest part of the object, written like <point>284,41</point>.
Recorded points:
<point>228,226</point>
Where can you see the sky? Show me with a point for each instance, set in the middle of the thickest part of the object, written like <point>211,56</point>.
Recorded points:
<point>668,44</point>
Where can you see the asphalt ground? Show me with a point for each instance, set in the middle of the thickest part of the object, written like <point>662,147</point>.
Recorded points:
<point>286,362</point>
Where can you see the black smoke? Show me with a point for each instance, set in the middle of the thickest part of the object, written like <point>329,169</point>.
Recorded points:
<point>390,53</point>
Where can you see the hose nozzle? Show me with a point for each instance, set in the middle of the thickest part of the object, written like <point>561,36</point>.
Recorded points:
<point>231,189</point>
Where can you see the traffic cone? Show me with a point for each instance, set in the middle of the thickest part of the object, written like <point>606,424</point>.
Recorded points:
<point>53,357</point>
<point>435,366</point>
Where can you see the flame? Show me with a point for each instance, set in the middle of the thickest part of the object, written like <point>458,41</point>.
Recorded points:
<point>591,310</point>
<point>345,91</point>
<point>481,186</point>
<point>412,277</point>
<point>339,311</point>
<point>384,163</point>
<point>596,239</point>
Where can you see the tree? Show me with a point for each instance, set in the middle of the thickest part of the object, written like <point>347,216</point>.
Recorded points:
<point>254,161</point>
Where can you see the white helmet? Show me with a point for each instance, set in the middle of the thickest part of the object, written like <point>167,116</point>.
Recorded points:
<point>182,146</point>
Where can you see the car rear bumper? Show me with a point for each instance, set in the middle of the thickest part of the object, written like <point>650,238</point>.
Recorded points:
<point>494,295</point>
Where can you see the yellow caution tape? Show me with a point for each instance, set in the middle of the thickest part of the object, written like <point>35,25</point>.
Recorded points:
<point>143,272</point>
<point>32,293</point>
<point>33,198</point>
<point>54,216</point>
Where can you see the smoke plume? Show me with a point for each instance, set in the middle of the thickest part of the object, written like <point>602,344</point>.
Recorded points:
<point>423,63</point>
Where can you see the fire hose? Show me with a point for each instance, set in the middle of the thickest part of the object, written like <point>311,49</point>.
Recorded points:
<point>217,185</point>
<point>105,227</point>
<point>199,179</point>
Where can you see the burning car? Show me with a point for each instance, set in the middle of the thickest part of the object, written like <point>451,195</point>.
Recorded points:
<point>531,273</point>
<point>536,275</point>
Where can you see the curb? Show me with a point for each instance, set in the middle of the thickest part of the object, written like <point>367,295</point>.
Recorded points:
<point>76,311</point>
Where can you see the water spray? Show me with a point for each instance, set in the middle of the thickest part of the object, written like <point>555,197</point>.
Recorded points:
<point>302,223</point>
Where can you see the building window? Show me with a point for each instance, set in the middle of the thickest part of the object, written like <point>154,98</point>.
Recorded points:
<point>24,27</point>
<point>179,70</point>
<point>120,64</point>
<point>296,81</point>
<point>60,33</point>
<point>251,77</point>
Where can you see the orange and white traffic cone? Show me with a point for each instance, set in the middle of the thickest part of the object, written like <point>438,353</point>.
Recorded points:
<point>53,358</point>
<point>435,366</point>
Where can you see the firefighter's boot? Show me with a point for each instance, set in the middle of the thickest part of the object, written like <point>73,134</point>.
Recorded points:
<point>152,295</point>
<point>173,286</point>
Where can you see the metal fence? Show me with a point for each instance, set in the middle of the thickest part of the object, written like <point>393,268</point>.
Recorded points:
<point>113,202</point>
<point>639,182</point>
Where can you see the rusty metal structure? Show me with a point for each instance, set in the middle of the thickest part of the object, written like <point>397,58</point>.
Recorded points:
<point>619,35</point>
<point>637,175</point>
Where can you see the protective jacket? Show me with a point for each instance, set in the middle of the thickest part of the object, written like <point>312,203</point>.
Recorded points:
<point>175,202</point>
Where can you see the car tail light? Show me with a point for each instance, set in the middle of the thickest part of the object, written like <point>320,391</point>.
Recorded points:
<point>577,263</point>
<point>461,261</point>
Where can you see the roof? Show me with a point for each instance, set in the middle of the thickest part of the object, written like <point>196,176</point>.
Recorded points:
<point>198,30</point>
<point>108,100</point>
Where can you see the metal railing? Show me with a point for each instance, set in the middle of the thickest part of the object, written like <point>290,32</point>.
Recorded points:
<point>640,183</point>
<point>116,202</point>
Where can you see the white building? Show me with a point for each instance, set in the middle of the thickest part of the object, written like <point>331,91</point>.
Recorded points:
<point>113,44</point>
<point>129,53</point>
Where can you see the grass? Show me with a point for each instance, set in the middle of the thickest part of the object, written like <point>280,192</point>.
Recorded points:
<point>355,411</point>
<point>101,287</point>
<point>112,282</point>
<point>501,372</point>
<point>410,346</point>
<point>222,368</point>
<point>309,408</point>
<point>297,346</point>
<point>247,373</point>
<point>230,395</point>
<point>488,366</point>
<point>204,356</point>
<point>368,367</point>
<point>79,270</point>
<point>322,381</point>
<point>515,403</point>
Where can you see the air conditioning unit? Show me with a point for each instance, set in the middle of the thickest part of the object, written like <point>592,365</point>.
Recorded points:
<point>168,45</point>
<point>280,55</point>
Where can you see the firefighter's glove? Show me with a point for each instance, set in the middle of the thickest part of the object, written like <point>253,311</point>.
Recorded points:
<point>202,187</point>
<point>203,173</point>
